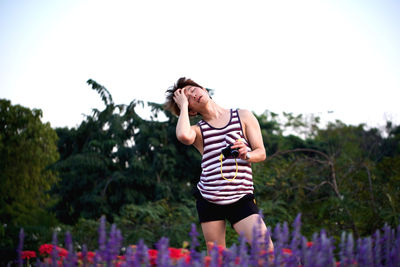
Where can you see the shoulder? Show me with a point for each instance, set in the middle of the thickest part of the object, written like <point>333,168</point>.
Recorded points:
<point>245,114</point>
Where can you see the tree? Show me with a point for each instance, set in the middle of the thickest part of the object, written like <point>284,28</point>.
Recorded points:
<point>115,158</point>
<point>27,148</point>
<point>341,178</point>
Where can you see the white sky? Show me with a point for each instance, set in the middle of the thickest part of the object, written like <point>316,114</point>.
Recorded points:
<point>293,56</point>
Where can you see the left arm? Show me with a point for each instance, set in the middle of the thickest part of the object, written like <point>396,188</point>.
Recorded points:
<point>252,132</point>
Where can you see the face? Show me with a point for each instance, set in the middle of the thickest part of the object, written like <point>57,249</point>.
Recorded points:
<point>196,96</point>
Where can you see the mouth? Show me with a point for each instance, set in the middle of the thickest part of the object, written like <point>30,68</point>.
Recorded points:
<point>198,100</point>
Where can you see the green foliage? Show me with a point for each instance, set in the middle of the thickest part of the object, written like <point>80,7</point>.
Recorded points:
<point>115,158</point>
<point>339,179</point>
<point>27,148</point>
<point>85,231</point>
<point>153,220</point>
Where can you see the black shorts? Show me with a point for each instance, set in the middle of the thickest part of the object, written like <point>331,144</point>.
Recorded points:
<point>234,212</point>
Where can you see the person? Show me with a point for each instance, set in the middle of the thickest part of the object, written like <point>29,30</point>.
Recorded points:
<point>225,189</point>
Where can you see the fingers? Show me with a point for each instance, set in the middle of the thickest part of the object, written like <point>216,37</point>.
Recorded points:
<point>241,147</point>
<point>180,97</point>
<point>180,92</point>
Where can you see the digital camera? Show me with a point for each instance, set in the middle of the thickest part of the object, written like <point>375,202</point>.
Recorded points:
<point>228,151</point>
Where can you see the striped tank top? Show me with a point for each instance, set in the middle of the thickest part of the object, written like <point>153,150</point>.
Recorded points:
<point>212,186</point>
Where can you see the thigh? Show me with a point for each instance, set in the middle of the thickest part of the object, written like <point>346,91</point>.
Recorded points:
<point>214,231</point>
<point>247,225</point>
<point>241,209</point>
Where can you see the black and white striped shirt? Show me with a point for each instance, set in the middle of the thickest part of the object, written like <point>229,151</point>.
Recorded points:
<point>212,186</point>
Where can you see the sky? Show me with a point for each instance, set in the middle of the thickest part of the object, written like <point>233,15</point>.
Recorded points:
<point>337,59</point>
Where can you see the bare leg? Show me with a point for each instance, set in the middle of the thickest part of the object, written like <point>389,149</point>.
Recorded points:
<point>214,232</point>
<point>246,226</point>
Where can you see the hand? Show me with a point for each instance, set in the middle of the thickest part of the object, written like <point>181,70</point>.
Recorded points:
<point>241,147</point>
<point>181,99</point>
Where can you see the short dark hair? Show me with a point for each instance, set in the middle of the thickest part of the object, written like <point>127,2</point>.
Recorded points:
<point>170,103</point>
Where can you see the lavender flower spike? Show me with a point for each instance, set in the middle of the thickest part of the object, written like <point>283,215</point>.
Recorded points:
<point>71,259</point>
<point>20,247</point>
<point>194,255</point>
<point>163,253</point>
<point>54,252</point>
<point>102,237</point>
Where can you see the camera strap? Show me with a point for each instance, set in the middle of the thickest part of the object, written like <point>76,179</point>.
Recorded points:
<point>222,174</point>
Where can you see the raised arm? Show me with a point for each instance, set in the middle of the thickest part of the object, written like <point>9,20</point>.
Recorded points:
<point>185,133</point>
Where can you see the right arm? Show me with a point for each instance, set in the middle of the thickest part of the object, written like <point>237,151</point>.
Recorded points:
<point>185,133</point>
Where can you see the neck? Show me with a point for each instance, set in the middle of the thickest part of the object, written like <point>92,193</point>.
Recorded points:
<point>212,111</point>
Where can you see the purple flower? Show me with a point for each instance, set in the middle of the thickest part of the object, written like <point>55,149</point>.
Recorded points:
<point>377,248</point>
<point>291,250</point>
<point>141,255</point>
<point>255,244</point>
<point>102,237</point>
<point>194,255</point>
<point>71,259</point>
<point>387,241</point>
<point>54,252</point>
<point>130,257</point>
<point>228,257</point>
<point>396,248</point>
<point>214,256</point>
<point>20,247</point>
<point>163,253</point>
<point>350,249</point>
<point>242,252</point>
<point>113,245</point>
<point>84,255</point>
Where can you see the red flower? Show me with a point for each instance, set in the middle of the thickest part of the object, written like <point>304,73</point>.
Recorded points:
<point>152,256</point>
<point>210,246</point>
<point>178,253</point>
<point>287,251</point>
<point>27,254</point>
<point>119,262</point>
<point>237,260</point>
<point>49,261</point>
<point>207,261</point>
<point>309,244</point>
<point>263,252</point>
<point>62,252</point>
<point>46,249</point>
<point>121,258</point>
<point>89,256</point>
<point>175,253</point>
<point>187,258</point>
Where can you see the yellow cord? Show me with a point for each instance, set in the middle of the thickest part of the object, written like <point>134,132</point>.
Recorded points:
<point>220,159</point>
